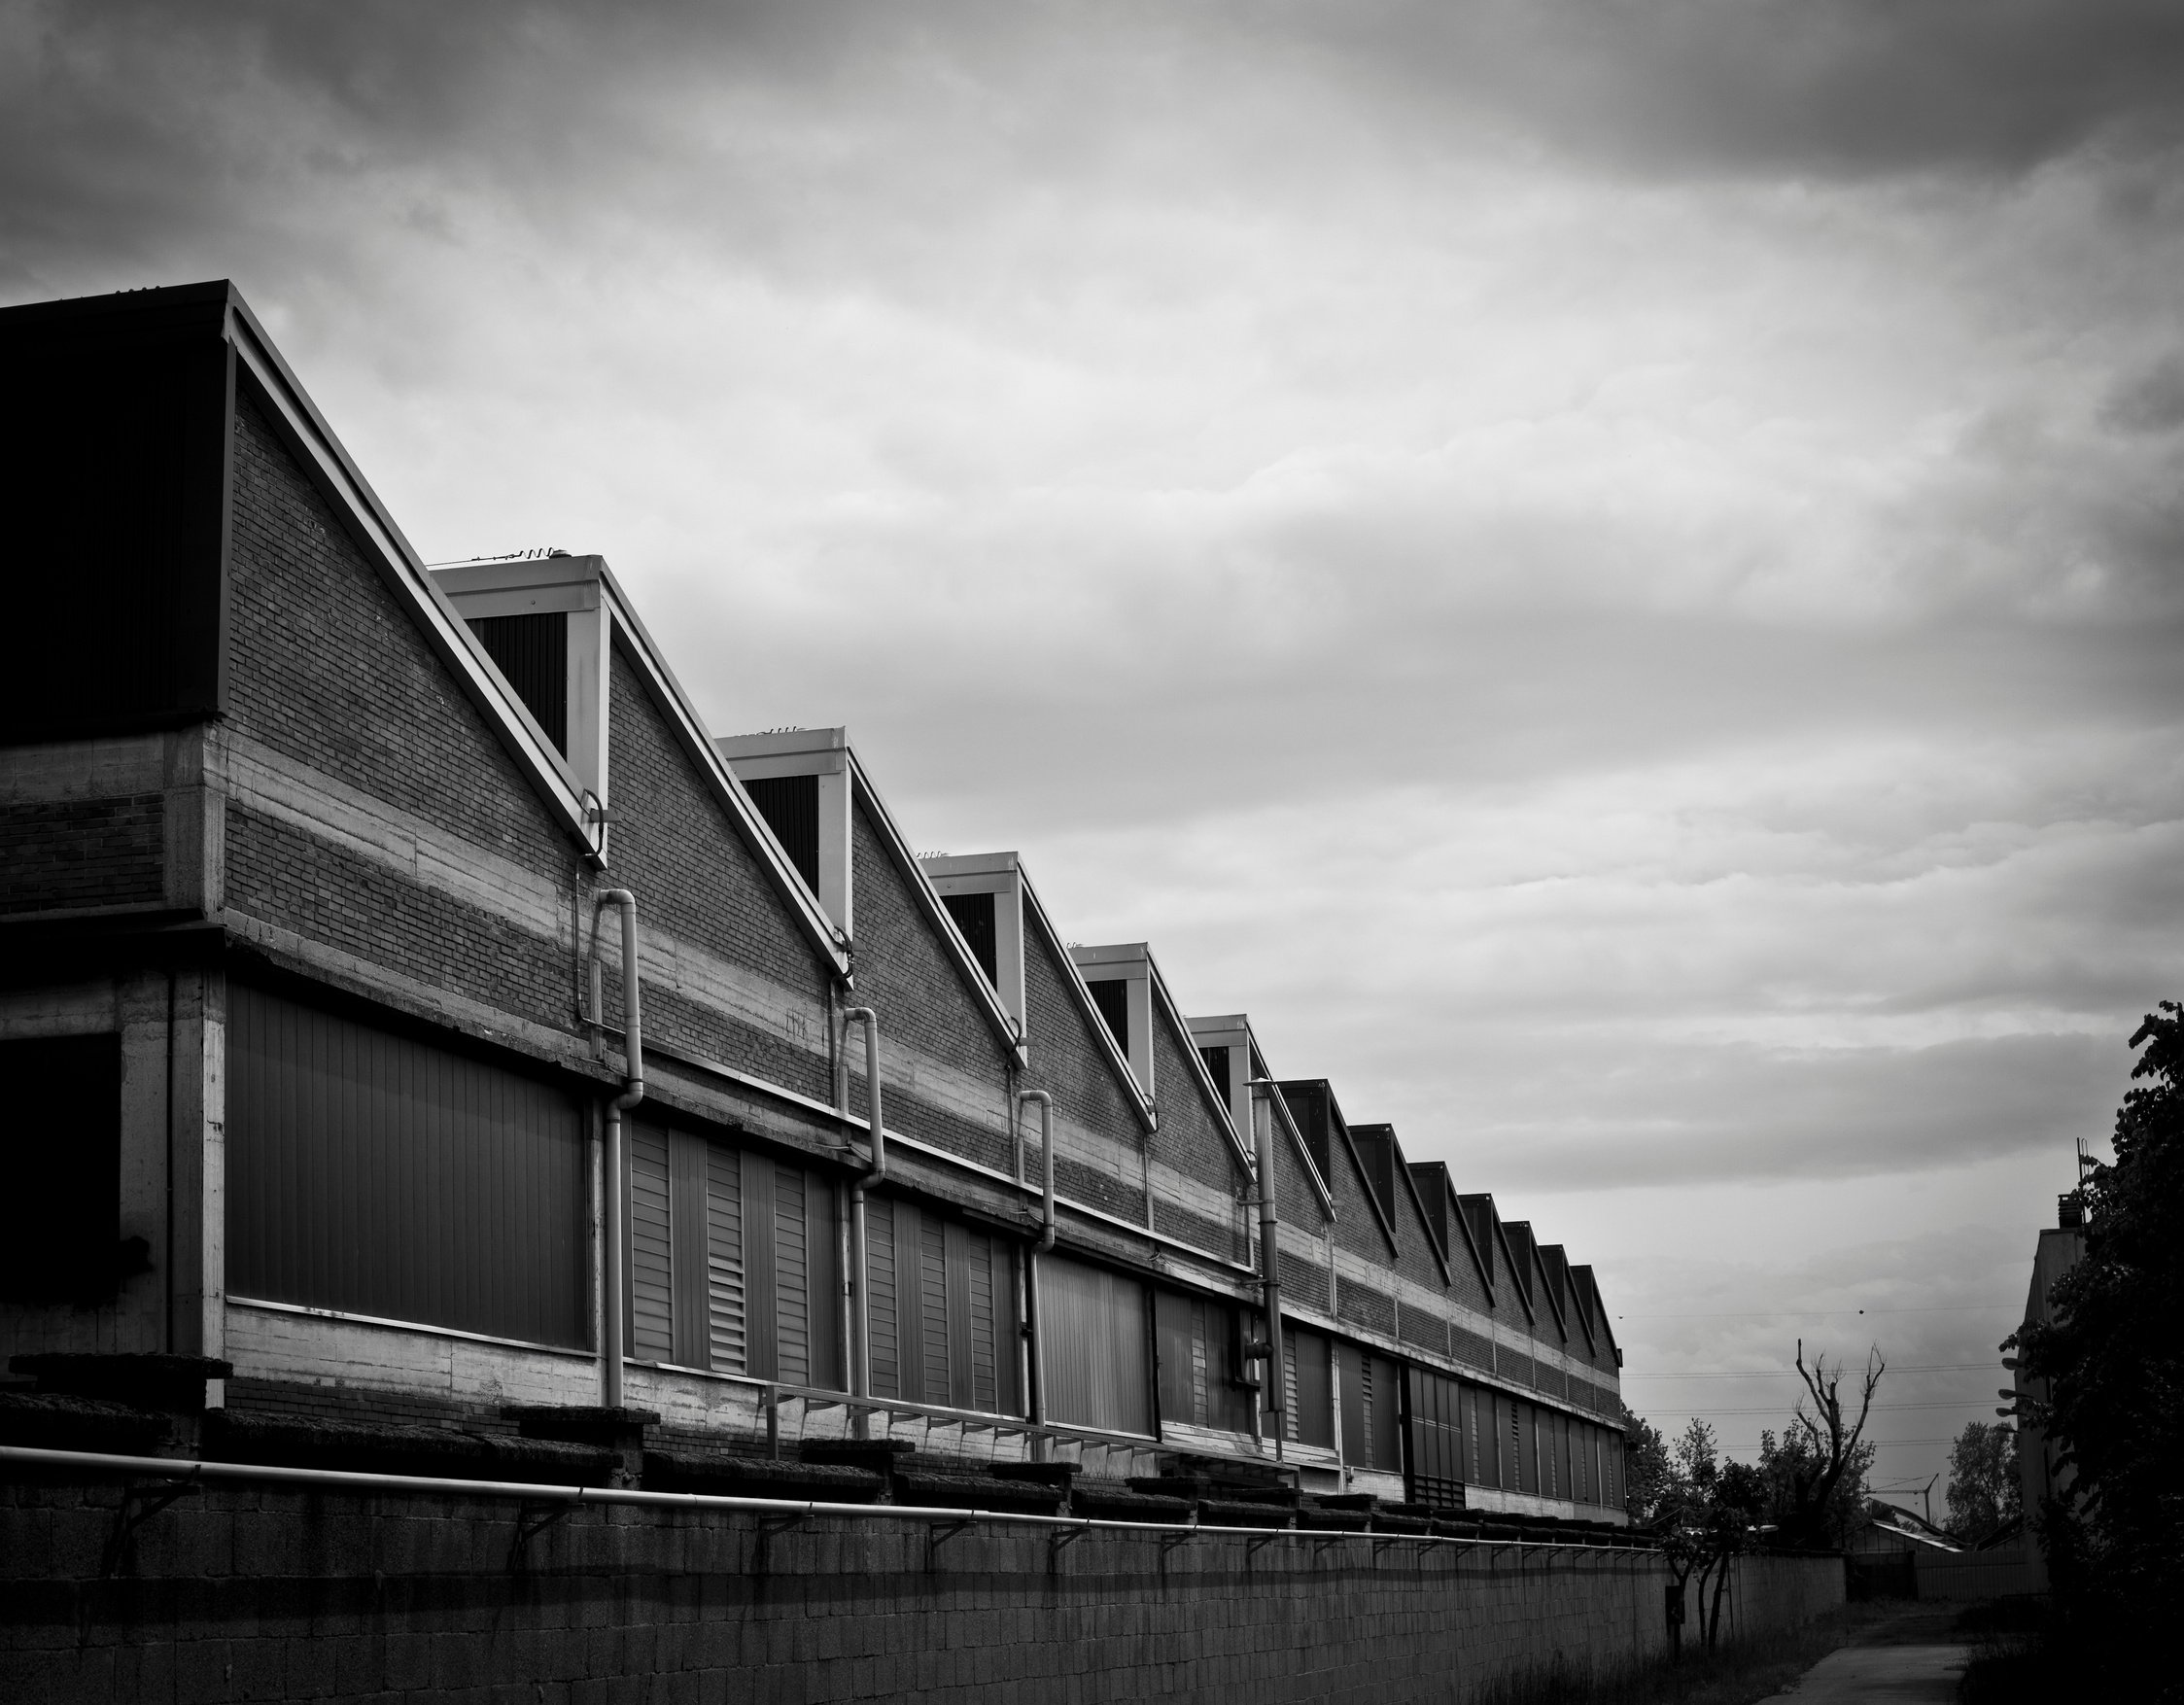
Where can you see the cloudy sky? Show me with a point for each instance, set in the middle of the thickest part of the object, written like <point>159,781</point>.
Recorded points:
<point>1611,570</point>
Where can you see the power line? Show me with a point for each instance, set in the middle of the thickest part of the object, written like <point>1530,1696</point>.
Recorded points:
<point>1892,1368</point>
<point>1685,1413</point>
<point>1821,1314</point>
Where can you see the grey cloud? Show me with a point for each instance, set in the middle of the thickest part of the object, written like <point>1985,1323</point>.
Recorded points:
<point>1637,1110</point>
<point>2152,401</point>
<point>1827,87</point>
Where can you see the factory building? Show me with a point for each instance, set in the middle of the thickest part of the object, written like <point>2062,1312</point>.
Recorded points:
<point>419,1013</point>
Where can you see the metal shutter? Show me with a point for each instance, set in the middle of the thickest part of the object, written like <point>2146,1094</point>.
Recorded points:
<point>792,1299</point>
<point>879,1297</point>
<point>724,1260</point>
<point>650,1319</point>
<point>1094,1348</point>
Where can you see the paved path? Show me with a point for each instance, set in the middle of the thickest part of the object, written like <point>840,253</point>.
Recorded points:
<point>1895,1673</point>
<point>1902,1661</point>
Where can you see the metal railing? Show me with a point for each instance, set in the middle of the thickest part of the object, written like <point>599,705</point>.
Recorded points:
<point>175,1472</point>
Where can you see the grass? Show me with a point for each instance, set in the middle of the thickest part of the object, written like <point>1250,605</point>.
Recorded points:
<point>1739,1675</point>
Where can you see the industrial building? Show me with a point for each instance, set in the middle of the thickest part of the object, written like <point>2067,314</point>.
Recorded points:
<point>431,1024</point>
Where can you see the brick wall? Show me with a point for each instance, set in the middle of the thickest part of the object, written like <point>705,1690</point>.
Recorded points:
<point>675,848</point>
<point>66,854</point>
<point>242,1593</point>
<point>907,973</point>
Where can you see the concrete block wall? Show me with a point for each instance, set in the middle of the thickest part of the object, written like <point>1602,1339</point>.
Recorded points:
<point>238,1592</point>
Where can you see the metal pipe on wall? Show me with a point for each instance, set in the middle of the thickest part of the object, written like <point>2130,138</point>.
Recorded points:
<point>633,1092</point>
<point>860,1317</point>
<point>1270,1252</point>
<point>1034,1319</point>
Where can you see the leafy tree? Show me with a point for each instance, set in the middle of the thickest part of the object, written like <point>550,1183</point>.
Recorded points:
<point>1984,1493</point>
<point>1792,1461</point>
<point>2115,1367</point>
<point>1709,1514</point>
<point>1648,1471</point>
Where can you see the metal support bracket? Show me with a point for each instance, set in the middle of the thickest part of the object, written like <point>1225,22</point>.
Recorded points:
<point>771,1524</point>
<point>941,1532</point>
<point>532,1520</point>
<point>139,1504</point>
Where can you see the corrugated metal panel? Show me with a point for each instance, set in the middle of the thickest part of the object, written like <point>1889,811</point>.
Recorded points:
<point>823,1245</point>
<point>760,1291</point>
<point>1527,1449</point>
<point>688,1224</point>
<point>1385,1391</point>
<point>1172,1358</point>
<point>649,1260</point>
<point>1309,1376</point>
<point>792,1296</point>
<point>983,1336</point>
<point>955,1256</point>
<point>1094,1348</point>
<point>533,652</point>
<point>932,1303</point>
<point>790,806</point>
<point>376,1173</point>
<point>724,1260</point>
<point>880,1298</point>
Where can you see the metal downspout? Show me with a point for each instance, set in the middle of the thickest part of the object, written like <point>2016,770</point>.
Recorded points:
<point>860,1317</point>
<point>1270,1254</point>
<point>612,1301</point>
<point>1034,1316</point>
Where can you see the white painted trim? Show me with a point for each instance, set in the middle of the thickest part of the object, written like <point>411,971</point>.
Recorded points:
<point>419,1327</point>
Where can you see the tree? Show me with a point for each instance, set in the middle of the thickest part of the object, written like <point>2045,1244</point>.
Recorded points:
<point>1985,1493</point>
<point>1647,1468</point>
<point>2115,1364</point>
<point>1709,1514</point>
<point>1823,1456</point>
<point>1793,1460</point>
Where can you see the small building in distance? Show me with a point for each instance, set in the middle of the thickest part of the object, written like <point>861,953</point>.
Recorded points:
<point>2061,1247</point>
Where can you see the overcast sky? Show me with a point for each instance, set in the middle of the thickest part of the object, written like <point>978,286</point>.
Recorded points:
<point>1611,571</point>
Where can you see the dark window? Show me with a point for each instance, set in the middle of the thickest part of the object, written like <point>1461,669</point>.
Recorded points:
<point>1112,996</point>
<point>1198,1345</point>
<point>60,1140</point>
<point>1308,1110</point>
<point>1217,1068</point>
<point>1372,1409</point>
<point>974,917</point>
<point>1377,1153</point>
<point>533,652</point>
<point>790,806</point>
<point>1437,1454</point>
<point>116,442</point>
<point>378,1174</point>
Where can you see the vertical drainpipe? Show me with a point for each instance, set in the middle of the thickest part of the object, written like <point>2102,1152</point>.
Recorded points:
<point>860,1316</point>
<point>1270,1253</point>
<point>633,1092</point>
<point>1033,1315</point>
